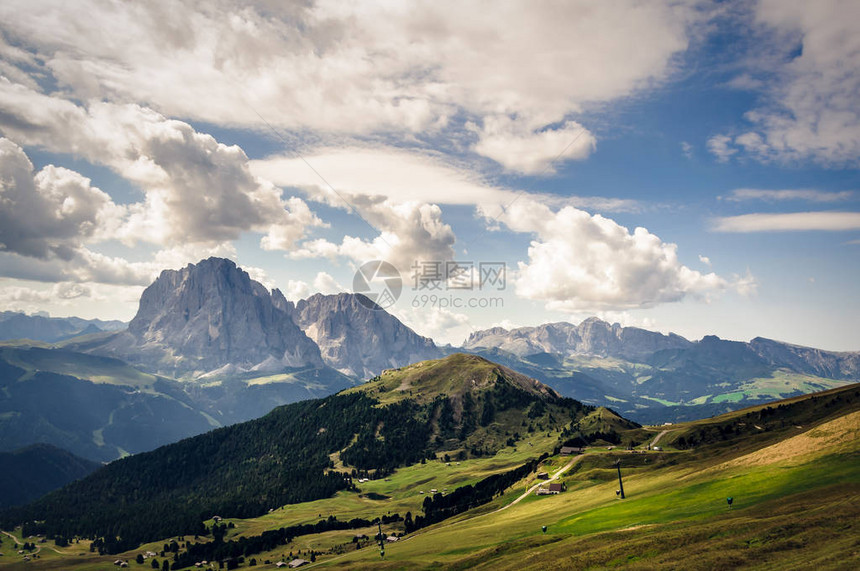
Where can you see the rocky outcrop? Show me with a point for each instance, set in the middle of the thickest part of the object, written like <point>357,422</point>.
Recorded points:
<point>212,317</point>
<point>359,341</point>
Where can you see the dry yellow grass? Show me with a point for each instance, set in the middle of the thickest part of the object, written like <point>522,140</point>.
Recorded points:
<point>838,435</point>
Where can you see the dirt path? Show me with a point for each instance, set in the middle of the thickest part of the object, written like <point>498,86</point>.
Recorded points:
<point>658,437</point>
<point>17,543</point>
<point>555,476</point>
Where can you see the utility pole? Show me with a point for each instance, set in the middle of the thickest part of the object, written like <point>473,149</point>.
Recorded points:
<point>620,483</point>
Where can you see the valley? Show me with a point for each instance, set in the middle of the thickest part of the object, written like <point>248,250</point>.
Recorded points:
<point>791,468</point>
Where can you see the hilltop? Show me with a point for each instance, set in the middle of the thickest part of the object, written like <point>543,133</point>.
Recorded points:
<point>468,408</point>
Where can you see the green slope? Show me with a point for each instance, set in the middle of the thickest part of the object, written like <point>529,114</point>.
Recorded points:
<point>794,484</point>
<point>307,451</point>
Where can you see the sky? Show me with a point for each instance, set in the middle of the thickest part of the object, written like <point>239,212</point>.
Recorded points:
<point>679,166</point>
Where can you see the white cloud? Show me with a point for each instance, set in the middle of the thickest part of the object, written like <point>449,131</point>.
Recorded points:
<point>518,147</point>
<point>440,324</point>
<point>404,176</point>
<point>807,194</point>
<point>62,297</point>
<point>812,104</point>
<point>296,290</point>
<point>794,221</point>
<point>326,284</point>
<point>409,232</point>
<point>365,68</point>
<point>705,260</point>
<point>196,189</point>
<point>50,213</point>
<point>687,149</point>
<point>720,146</point>
<point>746,285</point>
<point>583,262</point>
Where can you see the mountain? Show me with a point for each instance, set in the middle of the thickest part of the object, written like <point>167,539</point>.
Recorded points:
<point>653,377</point>
<point>359,341</point>
<point>461,405</point>
<point>14,325</point>
<point>31,472</point>
<point>828,364</point>
<point>591,337</point>
<point>96,407</point>
<point>211,318</point>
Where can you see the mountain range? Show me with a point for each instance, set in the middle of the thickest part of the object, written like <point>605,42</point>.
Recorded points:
<point>210,347</point>
<point>42,327</point>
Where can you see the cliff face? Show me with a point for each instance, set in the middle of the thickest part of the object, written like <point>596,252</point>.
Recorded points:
<point>212,317</point>
<point>359,341</point>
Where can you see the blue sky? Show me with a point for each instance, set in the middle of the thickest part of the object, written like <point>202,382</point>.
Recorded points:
<point>685,166</point>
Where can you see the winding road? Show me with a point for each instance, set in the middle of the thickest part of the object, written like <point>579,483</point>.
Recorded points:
<point>555,476</point>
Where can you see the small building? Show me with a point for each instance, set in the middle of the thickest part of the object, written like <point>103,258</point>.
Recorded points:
<point>280,564</point>
<point>542,476</point>
<point>298,563</point>
<point>216,518</point>
<point>556,487</point>
<point>569,450</point>
<point>392,538</point>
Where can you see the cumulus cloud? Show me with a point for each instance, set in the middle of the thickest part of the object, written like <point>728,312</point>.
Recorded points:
<point>49,213</point>
<point>806,194</point>
<point>196,189</point>
<point>325,283</point>
<point>409,232</point>
<point>584,262</point>
<point>812,104</point>
<point>440,324</point>
<point>787,222</point>
<point>721,147</point>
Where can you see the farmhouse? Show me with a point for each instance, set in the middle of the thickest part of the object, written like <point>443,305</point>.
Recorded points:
<point>543,476</point>
<point>569,450</point>
<point>298,563</point>
<point>554,488</point>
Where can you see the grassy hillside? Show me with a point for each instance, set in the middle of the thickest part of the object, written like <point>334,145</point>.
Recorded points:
<point>793,484</point>
<point>307,451</point>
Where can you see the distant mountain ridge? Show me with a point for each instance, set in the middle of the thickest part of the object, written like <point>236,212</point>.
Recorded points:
<point>17,325</point>
<point>652,377</point>
<point>593,336</point>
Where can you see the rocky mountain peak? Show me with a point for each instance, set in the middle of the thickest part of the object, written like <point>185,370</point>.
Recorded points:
<point>212,315</point>
<point>357,340</point>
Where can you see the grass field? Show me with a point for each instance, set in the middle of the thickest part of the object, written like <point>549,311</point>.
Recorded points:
<point>794,493</point>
